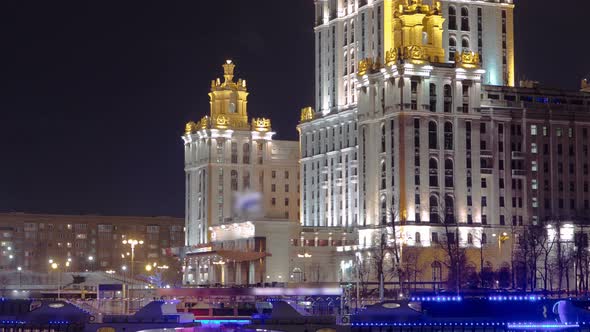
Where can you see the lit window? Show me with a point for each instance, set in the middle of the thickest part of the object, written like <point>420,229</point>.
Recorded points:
<point>534,184</point>
<point>534,130</point>
<point>559,132</point>
<point>533,147</point>
<point>534,166</point>
<point>535,202</point>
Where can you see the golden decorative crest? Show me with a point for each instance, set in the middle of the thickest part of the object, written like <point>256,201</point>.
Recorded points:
<point>204,123</point>
<point>415,54</point>
<point>391,57</point>
<point>190,128</point>
<point>261,124</point>
<point>364,66</point>
<point>467,59</point>
<point>222,122</point>
<point>368,65</point>
<point>306,114</point>
<point>228,71</point>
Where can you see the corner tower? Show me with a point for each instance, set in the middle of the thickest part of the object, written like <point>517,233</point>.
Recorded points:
<point>230,158</point>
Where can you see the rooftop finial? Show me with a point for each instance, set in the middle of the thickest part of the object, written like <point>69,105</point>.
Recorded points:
<point>228,71</point>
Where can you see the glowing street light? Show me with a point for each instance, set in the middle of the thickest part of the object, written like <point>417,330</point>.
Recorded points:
<point>20,271</point>
<point>132,243</point>
<point>54,266</point>
<point>148,267</point>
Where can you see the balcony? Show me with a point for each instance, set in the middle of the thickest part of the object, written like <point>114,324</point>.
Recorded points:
<point>486,153</point>
<point>518,172</point>
<point>325,170</point>
<point>517,155</point>
<point>354,179</point>
<point>324,184</point>
<point>338,182</point>
<point>486,170</point>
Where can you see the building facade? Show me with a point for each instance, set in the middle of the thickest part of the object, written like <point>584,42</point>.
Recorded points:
<point>235,173</point>
<point>418,125</point>
<point>89,242</point>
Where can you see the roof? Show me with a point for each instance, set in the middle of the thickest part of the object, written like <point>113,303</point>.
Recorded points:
<point>234,255</point>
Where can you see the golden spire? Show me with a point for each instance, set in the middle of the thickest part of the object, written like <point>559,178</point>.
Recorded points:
<point>228,71</point>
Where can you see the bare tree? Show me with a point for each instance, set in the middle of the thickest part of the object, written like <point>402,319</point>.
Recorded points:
<point>582,261</point>
<point>451,245</point>
<point>533,240</point>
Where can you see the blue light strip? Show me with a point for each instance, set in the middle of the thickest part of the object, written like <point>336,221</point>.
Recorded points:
<point>526,326</point>
<point>12,322</point>
<point>490,298</point>
<point>430,324</point>
<point>515,298</point>
<point>437,298</point>
<point>221,321</point>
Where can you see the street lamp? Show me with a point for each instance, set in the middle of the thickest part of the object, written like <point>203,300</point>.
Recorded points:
<point>55,266</point>
<point>91,260</point>
<point>20,271</point>
<point>132,243</point>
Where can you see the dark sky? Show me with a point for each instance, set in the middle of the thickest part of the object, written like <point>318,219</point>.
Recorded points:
<point>94,95</point>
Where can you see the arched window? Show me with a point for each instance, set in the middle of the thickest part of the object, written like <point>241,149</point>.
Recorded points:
<point>484,239</point>
<point>234,152</point>
<point>234,180</point>
<point>448,94</point>
<point>452,18</point>
<point>246,182</point>
<point>432,135</point>
<point>464,19</point>
<point>418,239</point>
<point>449,173</point>
<point>345,92</point>
<point>345,34</point>
<point>434,218</point>
<point>433,172</point>
<point>469,239</point>
<point>246,153</point>
<point>465,44</point>
<point>382,137</point>
<point>452,48</point>
<point>383,176</point>
<point>436,271</point>
<point>383,211</point>
<point>345,63</point>
<point>432,97</point>
<point>448,136</point>
<point>449,209</point>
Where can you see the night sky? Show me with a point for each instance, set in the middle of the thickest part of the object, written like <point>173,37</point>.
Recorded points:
<point>94,95</point>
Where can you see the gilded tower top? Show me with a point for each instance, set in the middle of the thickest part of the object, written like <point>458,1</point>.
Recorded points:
<point>229,101</point>
<point>228,79</point>
<point>413,34</point>
<point>228,71</point>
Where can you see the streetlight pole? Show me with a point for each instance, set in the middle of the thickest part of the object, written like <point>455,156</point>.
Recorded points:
<point>20,271</point>
<point>91,260</point>
<point>55,267</point>
<point>132,243</point>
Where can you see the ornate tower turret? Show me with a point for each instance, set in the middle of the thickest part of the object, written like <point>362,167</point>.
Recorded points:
<point>229,101</point>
